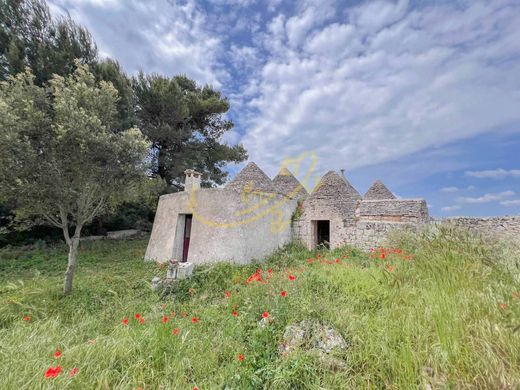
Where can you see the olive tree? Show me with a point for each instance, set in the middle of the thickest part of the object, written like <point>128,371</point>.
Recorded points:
<point>59,158</point>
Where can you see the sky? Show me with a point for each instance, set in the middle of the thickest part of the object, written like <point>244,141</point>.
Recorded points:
<point>423,95</point>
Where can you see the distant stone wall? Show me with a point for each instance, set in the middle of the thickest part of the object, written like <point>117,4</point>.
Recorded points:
<point>498,226</point>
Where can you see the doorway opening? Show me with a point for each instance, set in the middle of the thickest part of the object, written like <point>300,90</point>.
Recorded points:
<point>322,233</point>
<point>186,236</point>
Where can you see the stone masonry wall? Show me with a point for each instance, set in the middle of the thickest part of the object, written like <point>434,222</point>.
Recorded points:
<point>498,226</point>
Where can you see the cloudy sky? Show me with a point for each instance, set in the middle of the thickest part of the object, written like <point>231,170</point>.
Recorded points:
<point>423,95</point>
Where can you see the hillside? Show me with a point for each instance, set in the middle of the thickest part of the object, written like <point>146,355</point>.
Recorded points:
<point>437,311</point>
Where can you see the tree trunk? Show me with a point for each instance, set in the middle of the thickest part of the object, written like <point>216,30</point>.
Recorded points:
<point>73,243</point>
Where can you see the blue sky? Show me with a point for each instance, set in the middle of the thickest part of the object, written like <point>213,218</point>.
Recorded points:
<point>423,95</point>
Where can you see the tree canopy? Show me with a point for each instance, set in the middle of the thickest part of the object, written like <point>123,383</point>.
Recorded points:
<point>60,157</point>
<point>185,124</point>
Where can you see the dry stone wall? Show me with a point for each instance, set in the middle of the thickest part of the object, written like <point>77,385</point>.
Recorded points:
<point>504,226</point>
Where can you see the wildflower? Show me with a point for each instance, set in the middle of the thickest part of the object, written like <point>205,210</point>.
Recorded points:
<point>52,372</point>
<point>27,318</point>
<point>125,321</point>
<point>176,331</point>
<point>503,306</point>
<point>241,357</point>
<point>256,276</point>
<point>57,354</point>
<point>165,319</point>
<point>292,277</point>
<point>194,320</point>
<point>235,313</point>
<point>283,294</point>
<point>337,261</point>
<point>141,320</point>
<point>73,372</point>
<point>228,294</point>
<point>195,388</point>
<point>137,316</point>
<point>265,314</point>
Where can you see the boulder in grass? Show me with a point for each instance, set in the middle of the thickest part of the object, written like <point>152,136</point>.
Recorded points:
<point>316,338</point>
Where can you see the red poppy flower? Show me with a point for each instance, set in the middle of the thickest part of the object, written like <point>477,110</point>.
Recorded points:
<point>194,320</point>
<point>292,277</point>
<point>57,354</point>
<point>235,313</point>
<point>137,316</point>
<point>228,294</point>
<point>52,372</point>
<point>165,319</point>
<point>176,331</point>
<point>283,294</point>
<point>141,320</point>
<point>73,372</point>
<point>27,318</point>
<point>241,357</point>
<point>382,256</point>
<point>265,314</point>
<point>125,321</point>
<point>195,388</point>
<point>337,261</point>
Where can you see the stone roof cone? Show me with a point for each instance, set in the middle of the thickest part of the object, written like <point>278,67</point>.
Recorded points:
<point>254,178</point>
<point>378,191</point>
<point>334,186</point>
<point>288,185</point>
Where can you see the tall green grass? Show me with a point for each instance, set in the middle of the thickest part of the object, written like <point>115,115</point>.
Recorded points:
<point>447,318</point>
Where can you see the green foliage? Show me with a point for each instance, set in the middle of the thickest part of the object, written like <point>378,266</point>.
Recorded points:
<point>436,319</point>
<point>30,37</point>
<point>185,123</point>
<point>60,158</point>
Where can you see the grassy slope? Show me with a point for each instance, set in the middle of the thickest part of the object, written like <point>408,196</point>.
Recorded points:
<point>439,312</point>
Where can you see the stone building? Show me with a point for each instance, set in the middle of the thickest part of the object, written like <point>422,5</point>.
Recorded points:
<point>253,216</point>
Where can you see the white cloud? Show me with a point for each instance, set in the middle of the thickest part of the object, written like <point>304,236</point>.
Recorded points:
<point>494,173</point>
<point>487,197</point>
<point>156,36</point>
<point>515,202</point>
<point>450,208</point>
<point>380,86</point>
<point>449,189</point>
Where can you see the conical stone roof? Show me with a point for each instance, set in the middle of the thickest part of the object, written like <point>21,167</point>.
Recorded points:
<point>252,178</point>
<point>288,185</point>
<point>378,191</point>
<point>336,192</point>
<point>333,185</point>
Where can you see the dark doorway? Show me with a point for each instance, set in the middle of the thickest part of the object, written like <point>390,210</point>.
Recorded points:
<point>187,234</point>
<point>323,233</point>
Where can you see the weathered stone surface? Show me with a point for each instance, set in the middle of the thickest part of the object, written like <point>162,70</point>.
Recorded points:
<point>288,185</point>
<point>378,191</point>
<point>504,226</point>
<point>311,335</point>
<point>156,283</point>
<point>252,178</point>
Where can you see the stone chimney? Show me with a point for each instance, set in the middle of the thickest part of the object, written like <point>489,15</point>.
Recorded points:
<point>192,180</point>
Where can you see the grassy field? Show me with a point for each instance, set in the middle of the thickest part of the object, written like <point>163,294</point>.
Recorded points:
<point>441,312</point>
